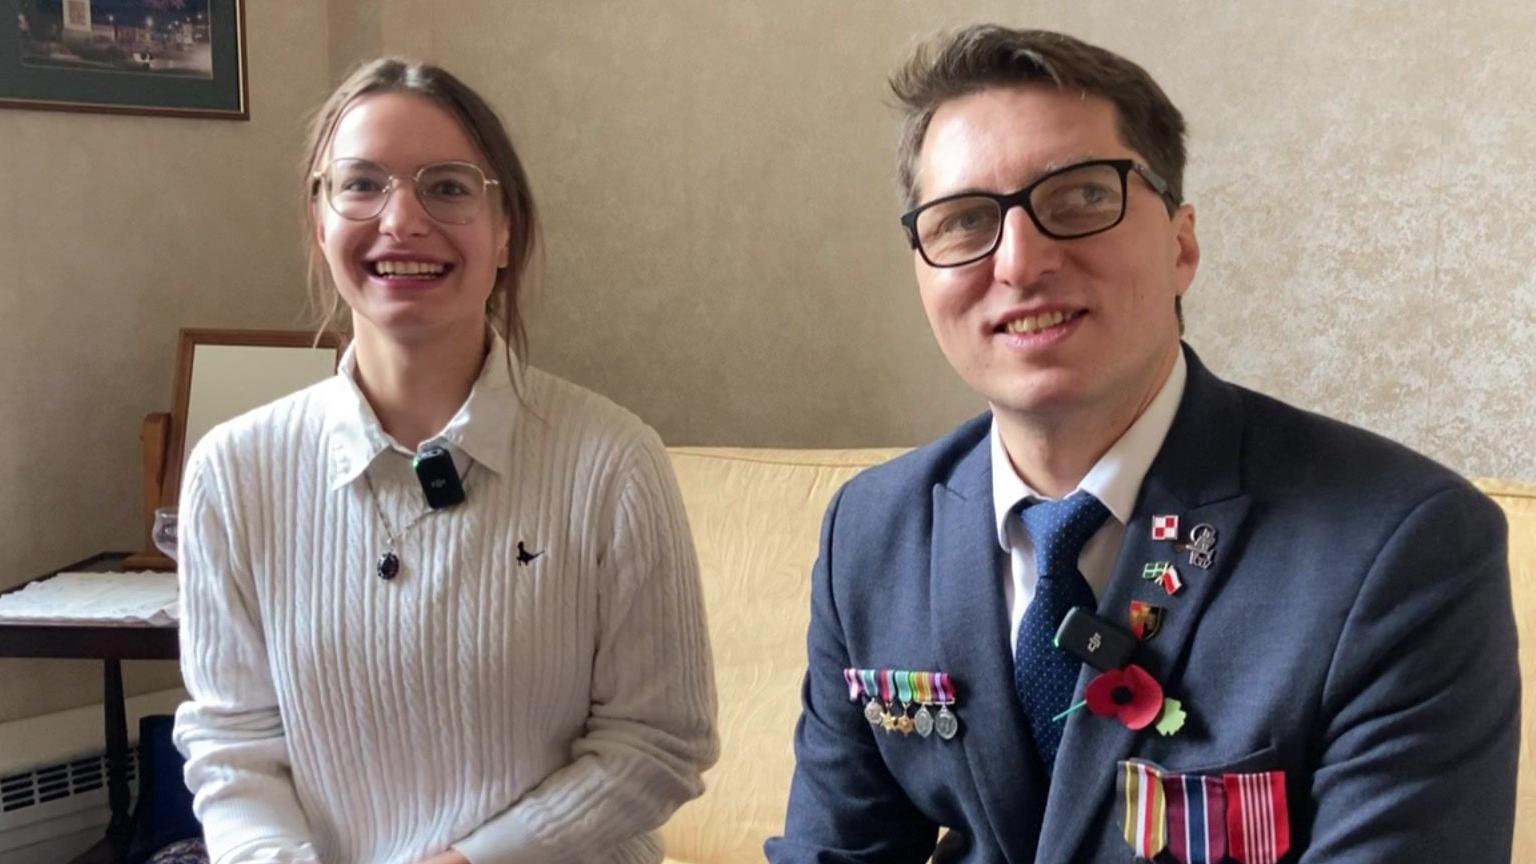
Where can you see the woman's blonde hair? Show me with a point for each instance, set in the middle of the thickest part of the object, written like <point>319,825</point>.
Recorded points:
<point>479,120</point>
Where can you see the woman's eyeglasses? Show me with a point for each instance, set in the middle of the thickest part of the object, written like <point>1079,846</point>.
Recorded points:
<point>451,192</point>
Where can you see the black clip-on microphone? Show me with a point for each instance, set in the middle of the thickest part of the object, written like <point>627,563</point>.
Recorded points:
<point>439,479</point>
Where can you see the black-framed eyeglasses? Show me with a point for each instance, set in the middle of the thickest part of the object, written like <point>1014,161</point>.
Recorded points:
<point>1076,201</point>
<point>451,192</point>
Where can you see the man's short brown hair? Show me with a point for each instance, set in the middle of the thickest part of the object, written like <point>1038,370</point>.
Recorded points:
<point>974,58</point>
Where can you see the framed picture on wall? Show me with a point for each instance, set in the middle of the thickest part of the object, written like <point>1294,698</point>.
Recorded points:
<point>183,58</point>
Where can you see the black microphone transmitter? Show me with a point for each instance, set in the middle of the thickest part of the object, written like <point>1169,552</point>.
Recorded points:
<point>1096,642</point>
<point>439,478</point>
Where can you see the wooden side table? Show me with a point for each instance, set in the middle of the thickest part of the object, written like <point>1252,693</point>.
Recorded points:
<point>110,644</point>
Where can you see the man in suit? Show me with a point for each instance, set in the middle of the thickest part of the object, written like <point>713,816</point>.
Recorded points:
<point>1335,637</point>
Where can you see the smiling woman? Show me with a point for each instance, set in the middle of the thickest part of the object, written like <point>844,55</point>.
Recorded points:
<point>360,143</point>
<point>409,589</point>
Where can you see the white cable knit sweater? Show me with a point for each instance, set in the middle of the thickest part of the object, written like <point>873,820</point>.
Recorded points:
<point>549,711</point>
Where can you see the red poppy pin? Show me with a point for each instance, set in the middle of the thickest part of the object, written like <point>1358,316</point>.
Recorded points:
<point>1131,694</point>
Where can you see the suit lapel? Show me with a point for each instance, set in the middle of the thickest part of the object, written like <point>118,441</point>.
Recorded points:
<point>1196,475</point>
<point>972,626</point>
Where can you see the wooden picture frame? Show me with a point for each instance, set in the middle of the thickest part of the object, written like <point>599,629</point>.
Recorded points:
<point>185,59</point>
<point>186,427</point>
<point>240,371</point>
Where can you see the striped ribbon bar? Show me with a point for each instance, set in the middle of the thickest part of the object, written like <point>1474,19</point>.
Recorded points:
<point>1258,824</point>
<point>1144,807</point>
<point>855,688</point>
<point>1197,818</point>
<point>945,688</point>
<point>899,685</point>
<point>869,677</point>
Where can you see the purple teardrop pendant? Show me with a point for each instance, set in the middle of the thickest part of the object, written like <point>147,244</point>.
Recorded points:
<point>389,566</point>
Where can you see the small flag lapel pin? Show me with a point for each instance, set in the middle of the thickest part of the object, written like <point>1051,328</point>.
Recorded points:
<point>1165,527</point>
<point>1170,581</point>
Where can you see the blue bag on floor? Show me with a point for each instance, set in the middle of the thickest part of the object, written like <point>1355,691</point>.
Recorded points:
<point>163,814</point>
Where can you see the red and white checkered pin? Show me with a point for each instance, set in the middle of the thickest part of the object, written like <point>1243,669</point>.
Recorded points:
<point>1165,527</point>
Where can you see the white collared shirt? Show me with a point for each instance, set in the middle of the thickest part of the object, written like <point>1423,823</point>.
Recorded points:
<point>1115,480</point>
<point>475,434</point>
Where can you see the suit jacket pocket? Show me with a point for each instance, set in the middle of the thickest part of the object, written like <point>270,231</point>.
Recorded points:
<point>1265,759</point>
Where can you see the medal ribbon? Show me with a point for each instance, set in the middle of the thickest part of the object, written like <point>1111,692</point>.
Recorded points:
<point>945,690</point>
<point>898,685</point>
<point>851,678</point>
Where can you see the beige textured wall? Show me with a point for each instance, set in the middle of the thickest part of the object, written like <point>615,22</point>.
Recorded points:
<point>724,256</point>
<point>117,231</point>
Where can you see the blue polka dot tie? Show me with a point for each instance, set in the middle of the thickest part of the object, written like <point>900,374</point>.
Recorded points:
<point>1044,675</point>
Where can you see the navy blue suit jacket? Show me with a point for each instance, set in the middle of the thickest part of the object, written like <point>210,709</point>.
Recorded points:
<point>1354,631</point>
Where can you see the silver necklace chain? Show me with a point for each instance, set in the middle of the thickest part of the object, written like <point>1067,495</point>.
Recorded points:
<point>389,562</point>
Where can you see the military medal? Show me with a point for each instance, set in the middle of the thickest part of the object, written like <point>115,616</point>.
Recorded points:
<point>890,721</point>
<point>1143,821</point>
<point>872,712</point>
<point>904,693</point>
<point>875,711</point>
<point>860,685</point>
<point>1200,818</point>
<point>1258,819</point>
<point>922,722</point>
<point>946,723</point>
<point>1197,817</point>
<point>898,700</point>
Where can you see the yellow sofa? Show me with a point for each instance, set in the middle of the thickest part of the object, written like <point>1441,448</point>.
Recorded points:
<point>756,517</point>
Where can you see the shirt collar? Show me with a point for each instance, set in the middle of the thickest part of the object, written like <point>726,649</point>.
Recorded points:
<point>481,430</point>
<point>1116,477</point>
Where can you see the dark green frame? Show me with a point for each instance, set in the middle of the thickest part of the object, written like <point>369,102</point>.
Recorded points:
<point>225,97</point>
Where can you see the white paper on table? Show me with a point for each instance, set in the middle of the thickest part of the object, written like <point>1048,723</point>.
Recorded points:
<point>148,599</point>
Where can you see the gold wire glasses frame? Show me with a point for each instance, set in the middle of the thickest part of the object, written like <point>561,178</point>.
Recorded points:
<point>357,189</point>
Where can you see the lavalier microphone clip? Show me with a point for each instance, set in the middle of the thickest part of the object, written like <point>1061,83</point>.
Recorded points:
<point>439,477</point>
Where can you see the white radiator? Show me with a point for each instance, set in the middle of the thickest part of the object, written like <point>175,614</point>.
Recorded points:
<point>53,779</point>
<point>53,804</point>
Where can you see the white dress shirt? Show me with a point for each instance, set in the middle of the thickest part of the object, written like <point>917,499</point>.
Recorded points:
<point>1115,480</point>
